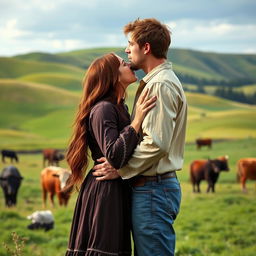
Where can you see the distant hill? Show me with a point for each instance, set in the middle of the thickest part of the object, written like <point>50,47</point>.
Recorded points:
<point>39,94</point>
<point>13,68</point>
<point>60,80</point>
<point>226,66</point>
<point>22,101</point>
<point>48,57</point>
<point>190,65</point>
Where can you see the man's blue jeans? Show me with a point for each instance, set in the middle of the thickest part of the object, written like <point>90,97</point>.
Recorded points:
<point>154,209</point>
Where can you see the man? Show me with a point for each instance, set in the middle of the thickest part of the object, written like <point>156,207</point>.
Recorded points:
<point>152,168</point>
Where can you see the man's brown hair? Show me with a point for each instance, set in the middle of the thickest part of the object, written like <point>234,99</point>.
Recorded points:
<point>150,31</point>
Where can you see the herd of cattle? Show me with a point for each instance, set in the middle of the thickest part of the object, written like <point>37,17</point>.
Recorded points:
<point>54,178</point>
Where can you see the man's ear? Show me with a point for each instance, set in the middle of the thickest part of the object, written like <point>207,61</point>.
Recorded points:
<point>147,48</point>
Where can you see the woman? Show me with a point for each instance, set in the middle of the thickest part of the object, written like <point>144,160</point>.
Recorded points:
<point>101,222</point>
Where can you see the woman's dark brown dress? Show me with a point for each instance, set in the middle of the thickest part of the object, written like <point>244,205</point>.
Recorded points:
<point>101,221</point>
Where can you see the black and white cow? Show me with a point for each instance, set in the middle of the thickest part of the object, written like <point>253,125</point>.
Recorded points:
<point>41,220</point>
<point>10,181</point>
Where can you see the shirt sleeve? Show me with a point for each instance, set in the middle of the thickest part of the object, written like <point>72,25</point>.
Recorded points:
<point>117,146</point>
<point>157,127</point>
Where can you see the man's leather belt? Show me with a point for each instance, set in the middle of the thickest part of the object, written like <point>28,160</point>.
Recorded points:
<point>139,181</point>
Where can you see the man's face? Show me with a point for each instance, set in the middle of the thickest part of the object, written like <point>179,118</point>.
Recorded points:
<point>135,55</point>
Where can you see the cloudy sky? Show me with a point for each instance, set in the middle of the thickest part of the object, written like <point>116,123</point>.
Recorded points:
<point>225,26</point>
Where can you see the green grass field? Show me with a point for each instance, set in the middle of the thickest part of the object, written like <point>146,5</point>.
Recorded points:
<point>65,81</point>
<point>12,68</point>
<point>39,95</point>
<point>39,115</point>
<point>208,224</point>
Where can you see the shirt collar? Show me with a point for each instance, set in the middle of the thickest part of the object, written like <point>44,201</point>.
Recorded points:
<point>156,70</point>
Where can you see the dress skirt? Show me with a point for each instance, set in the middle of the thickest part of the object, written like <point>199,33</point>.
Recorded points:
<point>102,220</point>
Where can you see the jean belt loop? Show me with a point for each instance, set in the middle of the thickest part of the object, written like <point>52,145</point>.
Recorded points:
<point>158,178</point>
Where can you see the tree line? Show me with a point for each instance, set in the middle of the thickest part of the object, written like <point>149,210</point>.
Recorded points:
<point>225,88</point>
<point>185,78</point>
<point>231,94</point>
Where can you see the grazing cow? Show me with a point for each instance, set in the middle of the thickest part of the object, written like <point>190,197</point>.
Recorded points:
<point>53,156</point>
<point>246,171</point>
<point>53,180</point>
<point>203,142</point>
<point>41,220</point>
<point>208,170</point>
<point>10,154</point>
<point>10,180</point>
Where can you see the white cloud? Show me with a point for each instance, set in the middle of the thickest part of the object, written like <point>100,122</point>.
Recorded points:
<point>64,45</point>
<point>62,25</point>
<point>10,30</point>
<point>216,35</point>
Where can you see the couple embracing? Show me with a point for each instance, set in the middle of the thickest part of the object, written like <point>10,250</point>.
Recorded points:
<point>133,183</point>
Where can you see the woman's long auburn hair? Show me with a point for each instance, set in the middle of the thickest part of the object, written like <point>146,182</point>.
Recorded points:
<point>100,82</point>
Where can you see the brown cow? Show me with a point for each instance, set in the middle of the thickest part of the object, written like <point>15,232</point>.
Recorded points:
<point>53,180</point>
<point>246,171</point>
<point>204,142</point>
<point>53,156</point>
<point>208,170</point>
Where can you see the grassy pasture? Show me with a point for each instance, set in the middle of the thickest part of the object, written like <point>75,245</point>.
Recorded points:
<point>64,81</point>
<point>39,115</point>
<point>208,224</point>
<point>25,101</point>
<point>192,72</point>
<point>38,106</point>
<point>12,68</point>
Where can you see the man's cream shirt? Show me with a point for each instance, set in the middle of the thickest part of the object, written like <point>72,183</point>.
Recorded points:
<point>164,127</point>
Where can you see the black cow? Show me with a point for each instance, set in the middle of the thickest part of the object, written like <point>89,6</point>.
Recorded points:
<point>208,170</point>
<point>10,180</point>
<point>10,154</point>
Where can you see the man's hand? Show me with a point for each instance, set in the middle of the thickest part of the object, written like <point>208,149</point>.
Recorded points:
<point>105,171</point>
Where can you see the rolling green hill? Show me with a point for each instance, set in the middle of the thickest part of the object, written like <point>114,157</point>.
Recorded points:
<point>47,57</point>
<point>13,68</point>
<point>65,81</point>
<point>22,101</point>
<point>226,66</point>
<point>215,65</point>
<point>38,115</point>
<point>35,115</point>
<point>40,94</point>
<point>79,58</point>
<point>212,103</point>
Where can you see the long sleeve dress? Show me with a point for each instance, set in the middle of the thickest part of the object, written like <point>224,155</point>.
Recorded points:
<point>101,221</point>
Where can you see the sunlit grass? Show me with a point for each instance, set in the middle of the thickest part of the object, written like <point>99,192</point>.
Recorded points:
<point>208,224</point>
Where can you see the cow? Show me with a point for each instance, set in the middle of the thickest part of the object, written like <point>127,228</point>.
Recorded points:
<point>53,180</point>
<point>208,170</point>
<point>246,171</point>
<point>10,154</point>
<point>53,156</point>
<point>41,220</point>
<point>10,181</point>
<point>204,142</point>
